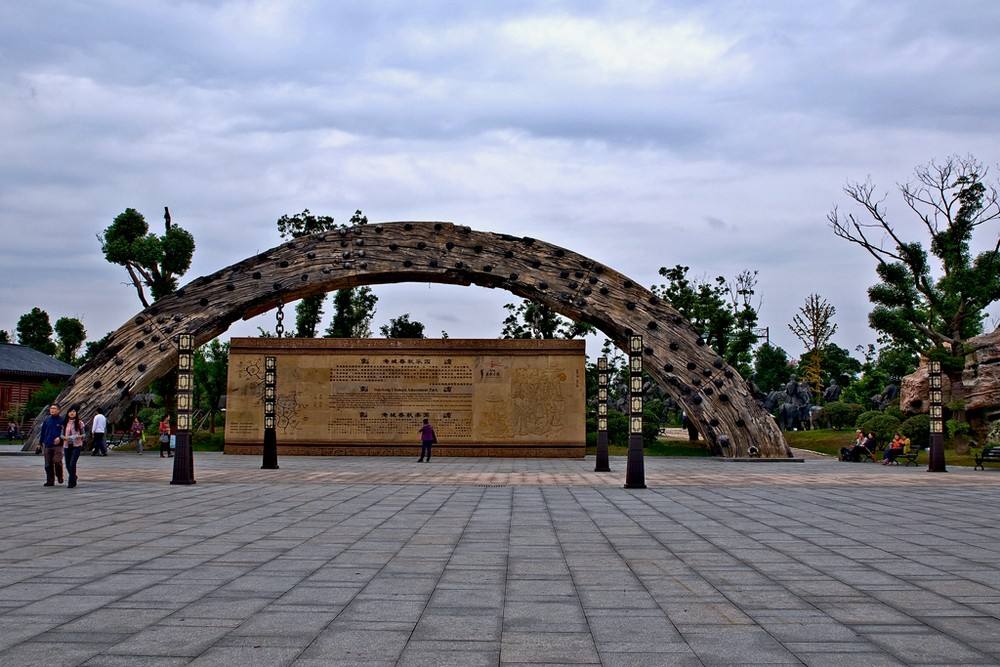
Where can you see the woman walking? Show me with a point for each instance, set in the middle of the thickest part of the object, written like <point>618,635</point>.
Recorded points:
<point>74,433</point>
<point>427,438</point>
<point>165,437</point>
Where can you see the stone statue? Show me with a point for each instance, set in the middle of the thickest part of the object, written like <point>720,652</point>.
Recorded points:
<point>832,392</point>
<point>888,395</point>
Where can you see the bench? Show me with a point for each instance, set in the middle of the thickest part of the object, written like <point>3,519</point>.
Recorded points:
<point>987,455</point>
<point>910,457</point>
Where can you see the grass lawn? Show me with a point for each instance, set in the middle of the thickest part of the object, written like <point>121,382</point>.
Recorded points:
<point>829,441</point>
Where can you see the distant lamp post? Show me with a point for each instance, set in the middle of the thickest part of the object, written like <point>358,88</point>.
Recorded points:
<point>183,457</point>
<point>270,457</point>
<point>635,469</point>
<point>935,462</point>
<point>602,464</point>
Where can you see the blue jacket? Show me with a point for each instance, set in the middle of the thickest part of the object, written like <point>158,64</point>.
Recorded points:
<point>51,429</point>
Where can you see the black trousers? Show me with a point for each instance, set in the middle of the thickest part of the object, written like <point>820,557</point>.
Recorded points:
<point>425,449</point>
<point>72,455</point>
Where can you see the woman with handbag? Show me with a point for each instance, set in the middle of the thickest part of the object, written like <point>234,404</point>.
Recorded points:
<point>165,437</point>
<point>74,433</point>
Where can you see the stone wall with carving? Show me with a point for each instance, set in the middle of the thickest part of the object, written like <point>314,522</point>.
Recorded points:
<point>369,396</point>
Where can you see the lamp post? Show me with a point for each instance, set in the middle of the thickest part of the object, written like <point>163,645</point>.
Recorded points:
<point>935,462</point>
<point>635,469</point>
<point>602,464</point>
<point>183,457</point>
<point>270,458</point>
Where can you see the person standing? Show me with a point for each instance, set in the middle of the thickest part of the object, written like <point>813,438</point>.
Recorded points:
<point>51,439</point>
<point>98,427</point>
<point>165,437</point>
<point>136,432</point>
<point>74,433</point>
<point>427,438</point>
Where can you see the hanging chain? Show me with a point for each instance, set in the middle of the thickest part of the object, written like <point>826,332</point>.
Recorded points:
<point>279,328</point>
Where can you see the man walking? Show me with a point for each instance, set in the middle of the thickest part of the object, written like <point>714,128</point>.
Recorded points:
<point>98,427</point>
<point>51,438</point>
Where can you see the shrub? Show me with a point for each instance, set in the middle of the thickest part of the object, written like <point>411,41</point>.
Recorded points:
<point>864,417</point>
<point>617,429</point>
<point>993,436</point>
<point>883,426</point>
<point>42,398</point>
<point>917,429</point>
<point>838,414</point>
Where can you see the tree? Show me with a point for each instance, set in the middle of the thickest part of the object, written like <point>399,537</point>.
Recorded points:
<point>153,262</point>
<point>353,310</point>
<point>35,331</point>
<point>724,312</point>
<point>771,369</point>
<point>912,307</point>
<point>881,366</point>
<point>814,326</point>
<point>536,320</point>
<point>837,364</point>
<point>402,327</point>
<point>93,348</point>
<point>211,368</point>
<point>309,311</point>
<point>4,336</point>
<point>70,334</point>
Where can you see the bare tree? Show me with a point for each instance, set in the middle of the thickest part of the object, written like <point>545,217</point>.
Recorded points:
<point>814,326</point>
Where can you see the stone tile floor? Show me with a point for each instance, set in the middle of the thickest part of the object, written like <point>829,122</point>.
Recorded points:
<point>374,561</point>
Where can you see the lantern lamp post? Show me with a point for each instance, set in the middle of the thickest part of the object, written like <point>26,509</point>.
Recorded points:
<point>602,464</point>
<point>935,461</point>
<point>635,469</point>
<point>270,455</point>
<point>183,457</point>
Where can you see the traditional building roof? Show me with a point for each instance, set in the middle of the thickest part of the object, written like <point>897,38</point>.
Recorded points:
<point>22,360</point>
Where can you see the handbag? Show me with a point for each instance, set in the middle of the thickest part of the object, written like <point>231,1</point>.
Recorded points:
<point>164,439</point>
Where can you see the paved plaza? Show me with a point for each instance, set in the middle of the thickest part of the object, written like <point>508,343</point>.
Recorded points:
<point>466,562</point>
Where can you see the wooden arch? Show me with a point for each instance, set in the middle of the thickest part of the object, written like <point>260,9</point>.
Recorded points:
<point>711,392</point>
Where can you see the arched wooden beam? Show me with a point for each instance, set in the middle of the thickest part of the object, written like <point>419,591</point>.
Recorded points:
<point>711,392</point>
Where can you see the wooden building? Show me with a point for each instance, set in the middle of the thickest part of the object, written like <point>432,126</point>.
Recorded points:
<point>22,371</point>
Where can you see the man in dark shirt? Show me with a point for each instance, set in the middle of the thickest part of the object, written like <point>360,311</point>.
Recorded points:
<point>51,438</point>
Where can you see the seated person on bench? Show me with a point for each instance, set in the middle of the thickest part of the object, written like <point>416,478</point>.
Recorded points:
<point>895,449</point>
<point>858,449</point>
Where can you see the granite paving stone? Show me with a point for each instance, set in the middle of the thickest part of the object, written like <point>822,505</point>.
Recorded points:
<point>360,561</point>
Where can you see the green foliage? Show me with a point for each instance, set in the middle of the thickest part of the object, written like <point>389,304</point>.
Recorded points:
<point>4,336</point>
<point>882,366</point>
<point>724,312</point>
<point>864,417</point>
<point>402,327</point>
<point>353,310</point>
<point>993,435</point>
<point>838,414</point>
<point>771,370</point>
<point>308,314</point>
<point>884,426</point>
<point>153,262</point>
<point>957,428</point>
<point>536,320</point>
<point>35,331</point>
<point>836,364</point>
<point>42,398</point>
<point>93,348</point>
<point>211,367</point>
<point>70,334</point>
<point>918,429</point>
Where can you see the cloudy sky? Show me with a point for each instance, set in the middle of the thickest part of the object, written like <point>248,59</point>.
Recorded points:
<point>643,134</point>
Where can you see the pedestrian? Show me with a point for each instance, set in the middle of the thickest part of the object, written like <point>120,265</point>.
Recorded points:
<point>74,433</point>
<point>98,427</point>
<point>165,437</point>
<point>427,438</point>
<point>51,439</point>
<point>12,430</point>
<point>136,432</point>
